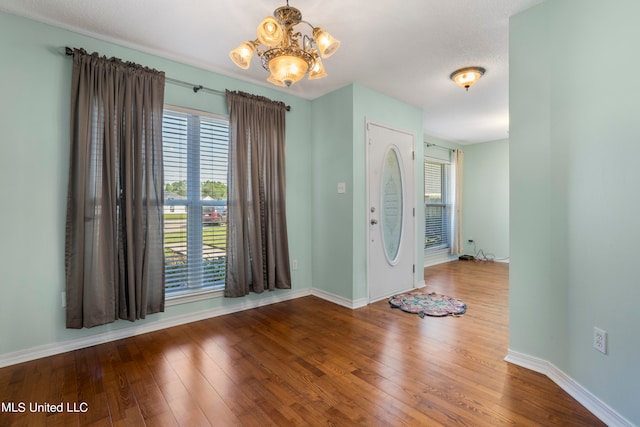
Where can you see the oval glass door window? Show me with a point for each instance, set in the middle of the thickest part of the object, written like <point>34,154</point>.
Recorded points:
<point>392,205</point>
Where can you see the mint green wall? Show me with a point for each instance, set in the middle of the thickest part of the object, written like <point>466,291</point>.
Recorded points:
<point>332,130</point>
<point>339,151</point>
<point>326,229</point>
<point>485,198</point>
<point>574,202</point>
<point>485,192</point>
<point>34,120</point>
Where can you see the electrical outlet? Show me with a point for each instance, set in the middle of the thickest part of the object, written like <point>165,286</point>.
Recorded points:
<point>63,298</point>
<point>294,264</point>
<point>600,340</point>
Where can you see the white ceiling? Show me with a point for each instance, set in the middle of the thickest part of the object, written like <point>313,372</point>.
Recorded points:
<point>404,49</point>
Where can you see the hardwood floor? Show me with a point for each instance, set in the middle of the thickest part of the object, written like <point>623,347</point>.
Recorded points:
<point>306,362</point>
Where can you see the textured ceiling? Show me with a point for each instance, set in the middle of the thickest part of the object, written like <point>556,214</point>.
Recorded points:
<point>402,49</point>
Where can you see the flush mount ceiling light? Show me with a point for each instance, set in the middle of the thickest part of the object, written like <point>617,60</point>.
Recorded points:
<point>279,47</point>
<point>467,77</point>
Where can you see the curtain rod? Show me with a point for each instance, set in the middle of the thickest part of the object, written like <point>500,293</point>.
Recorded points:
<point>430,144</point>
<point>196,88</point>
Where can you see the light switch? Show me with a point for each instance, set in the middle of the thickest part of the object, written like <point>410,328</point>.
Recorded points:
<point>342,187</point>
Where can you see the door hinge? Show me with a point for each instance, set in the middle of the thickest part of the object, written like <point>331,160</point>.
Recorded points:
<point>414,269</point>
<point>414,211</point>
<point>413,155</point>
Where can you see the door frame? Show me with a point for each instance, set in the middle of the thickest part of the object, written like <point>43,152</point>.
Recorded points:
<point>410,198</point>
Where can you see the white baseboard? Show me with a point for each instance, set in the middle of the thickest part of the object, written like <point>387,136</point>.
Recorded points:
<point>361,302</point>
<point>577,391</point>
<point>596,406</point>
<point>337,299</point>
<point>75,344</point>
<point>46,350</point>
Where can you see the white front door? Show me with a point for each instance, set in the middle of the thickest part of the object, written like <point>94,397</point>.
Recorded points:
<point>391,213</point>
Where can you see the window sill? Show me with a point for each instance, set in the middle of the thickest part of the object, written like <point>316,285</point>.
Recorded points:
<point>438,256</point>
<point>184,297</point>
<point>437,251</point>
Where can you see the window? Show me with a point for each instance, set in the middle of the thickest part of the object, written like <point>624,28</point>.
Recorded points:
<point>195,150</point>
<point>437,205</point>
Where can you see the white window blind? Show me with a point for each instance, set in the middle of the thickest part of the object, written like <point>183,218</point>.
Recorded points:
<point>437,205</point>
<point>195,149</point>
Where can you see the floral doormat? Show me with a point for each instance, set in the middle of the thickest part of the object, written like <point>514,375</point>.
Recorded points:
<point>432,304</point>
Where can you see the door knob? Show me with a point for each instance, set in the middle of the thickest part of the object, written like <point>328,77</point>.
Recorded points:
<point>374,221</point>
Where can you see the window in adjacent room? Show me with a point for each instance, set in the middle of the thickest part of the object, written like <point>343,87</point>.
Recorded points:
<point>437,205</point>
<point>195,151</point>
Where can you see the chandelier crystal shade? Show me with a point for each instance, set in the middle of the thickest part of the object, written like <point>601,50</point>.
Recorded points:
<point>287,54</point>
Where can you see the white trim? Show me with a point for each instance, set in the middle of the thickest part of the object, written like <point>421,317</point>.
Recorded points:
<point>337,299</point>
<point>192,296</point>
<point>600,409</point>
<point>46,350</point>
<point>104,337</point>
<point>194,112</point>
<point>437,159</point>
<point>596,406</point>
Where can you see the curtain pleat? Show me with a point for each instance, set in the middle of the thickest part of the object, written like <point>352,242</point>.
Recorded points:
<point>257,241</point>
<point>114,255</point>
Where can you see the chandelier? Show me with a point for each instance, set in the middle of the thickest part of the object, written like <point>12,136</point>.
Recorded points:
<point>286,54</point>
<point>467,77</point>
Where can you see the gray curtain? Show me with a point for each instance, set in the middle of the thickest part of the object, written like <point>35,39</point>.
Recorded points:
<point>257,243</point>
<point>114,255</point>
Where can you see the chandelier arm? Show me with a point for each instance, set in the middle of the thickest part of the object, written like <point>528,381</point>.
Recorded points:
<point>293,55</point>
<point>307,42</point>
<point>309,24</point>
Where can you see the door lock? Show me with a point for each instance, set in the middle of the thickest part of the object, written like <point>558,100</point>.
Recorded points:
<point>374,221</point>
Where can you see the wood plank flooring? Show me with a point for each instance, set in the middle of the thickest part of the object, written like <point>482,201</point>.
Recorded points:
<point>305,362</point>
